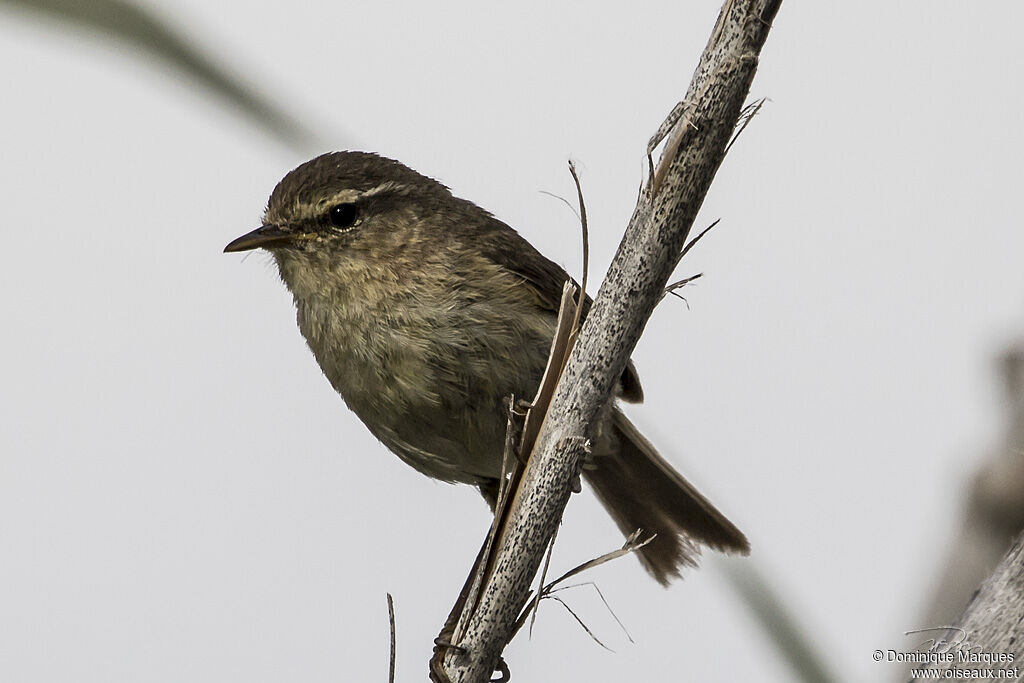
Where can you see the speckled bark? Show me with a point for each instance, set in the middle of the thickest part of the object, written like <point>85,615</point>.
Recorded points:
<point>634,285</point>
<point>993,622</point>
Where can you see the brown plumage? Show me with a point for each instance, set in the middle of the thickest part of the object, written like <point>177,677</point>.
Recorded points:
<point>425,312</point>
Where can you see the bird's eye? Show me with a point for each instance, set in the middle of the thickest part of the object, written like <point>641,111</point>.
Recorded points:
<point>343,215</point>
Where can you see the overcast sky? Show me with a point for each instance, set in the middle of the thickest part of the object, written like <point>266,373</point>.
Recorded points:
<point>184,498</point>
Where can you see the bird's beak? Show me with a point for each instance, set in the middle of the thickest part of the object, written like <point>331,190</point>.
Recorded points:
<point>263,236</point>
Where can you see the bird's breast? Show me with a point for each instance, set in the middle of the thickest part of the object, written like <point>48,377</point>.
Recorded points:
<point>426,363</point>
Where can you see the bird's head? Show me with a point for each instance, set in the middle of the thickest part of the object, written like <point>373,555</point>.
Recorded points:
<point>348,203</point>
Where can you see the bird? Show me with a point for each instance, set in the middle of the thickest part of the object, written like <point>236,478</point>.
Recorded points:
<point>425,313</point>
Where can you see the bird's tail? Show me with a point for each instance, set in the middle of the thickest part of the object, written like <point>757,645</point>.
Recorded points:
<point>640,490</point>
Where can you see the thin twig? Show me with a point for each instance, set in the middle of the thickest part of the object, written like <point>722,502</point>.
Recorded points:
<point>593,584</point>
<point>679,284</point>
<point>696,239</point>
<point>586,246</point>
<point>748,113</point>
<point>676,139</point>
<point>564,201</point>
<point>391,620</point>
<point>565,335</point>
<point>543,577</point>
<point>510,469</point>
<point>630,546</point>
<point>561,345</point>
<point>508,457</point>
<point>670,289</point>
<point>580,621</point>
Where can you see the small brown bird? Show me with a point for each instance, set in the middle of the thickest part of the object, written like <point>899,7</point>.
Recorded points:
<point>425,313</point>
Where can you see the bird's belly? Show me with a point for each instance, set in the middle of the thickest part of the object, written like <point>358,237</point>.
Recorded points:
<point>434,392</point>
<point>441,443</point>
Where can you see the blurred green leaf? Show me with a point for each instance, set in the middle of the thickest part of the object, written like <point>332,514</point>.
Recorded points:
<point>132,24</point>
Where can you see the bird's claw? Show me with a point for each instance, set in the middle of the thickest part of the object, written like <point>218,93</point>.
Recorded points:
<point>503,671</point>
<point>442,644</point>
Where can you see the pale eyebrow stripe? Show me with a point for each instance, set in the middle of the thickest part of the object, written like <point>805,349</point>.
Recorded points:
<point>348,196</point>
<point>387,186</point>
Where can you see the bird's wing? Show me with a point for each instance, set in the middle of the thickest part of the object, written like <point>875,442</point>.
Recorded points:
<point>510,250</point>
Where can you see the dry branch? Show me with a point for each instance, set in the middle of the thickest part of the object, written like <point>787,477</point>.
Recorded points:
<point>698,131</point>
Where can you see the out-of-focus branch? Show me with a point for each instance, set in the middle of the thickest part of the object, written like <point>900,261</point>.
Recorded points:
<point>994,512</point>
<point>993,622</point>
<point>126,21</point>
<point>778,621</point>
<point>698,132</point>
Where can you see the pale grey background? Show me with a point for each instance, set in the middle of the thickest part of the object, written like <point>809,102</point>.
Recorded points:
<point>184,498</point>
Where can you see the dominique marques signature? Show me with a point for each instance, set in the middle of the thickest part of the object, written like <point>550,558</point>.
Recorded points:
<point>947,639</point>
